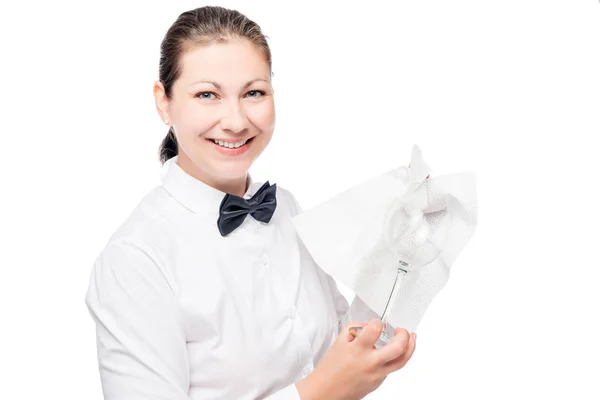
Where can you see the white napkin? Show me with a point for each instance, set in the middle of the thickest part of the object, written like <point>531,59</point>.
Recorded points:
<point>404,218</point>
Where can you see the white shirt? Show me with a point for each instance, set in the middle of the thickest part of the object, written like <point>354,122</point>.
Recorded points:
<point>183,313</point>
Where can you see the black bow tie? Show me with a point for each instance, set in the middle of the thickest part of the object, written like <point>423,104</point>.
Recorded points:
<point>233,209</point>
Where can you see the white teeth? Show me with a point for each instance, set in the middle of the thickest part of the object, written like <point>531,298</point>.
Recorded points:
<point>229,145</point>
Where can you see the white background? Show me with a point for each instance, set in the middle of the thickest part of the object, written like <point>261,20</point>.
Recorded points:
<point>507,88</point>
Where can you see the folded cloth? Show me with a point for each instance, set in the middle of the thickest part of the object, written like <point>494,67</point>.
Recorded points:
<point>402,224</point>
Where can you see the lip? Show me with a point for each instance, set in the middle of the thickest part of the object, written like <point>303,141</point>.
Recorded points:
<point>230,140</point>
<point>237,151</point>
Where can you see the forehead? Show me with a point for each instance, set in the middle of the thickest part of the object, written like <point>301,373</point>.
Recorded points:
<point>228,62</point>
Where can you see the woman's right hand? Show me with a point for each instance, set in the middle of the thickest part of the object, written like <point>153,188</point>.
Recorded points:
<point>353,367</point>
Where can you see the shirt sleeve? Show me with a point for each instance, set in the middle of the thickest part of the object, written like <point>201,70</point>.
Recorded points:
<point>358,311</point>
<point>141,343</point>
<point>289,392</point>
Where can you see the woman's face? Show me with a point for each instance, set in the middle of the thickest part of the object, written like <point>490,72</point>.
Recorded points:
<point>224,93</point>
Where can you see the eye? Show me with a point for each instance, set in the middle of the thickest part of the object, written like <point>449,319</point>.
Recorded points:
<point>201,95</point>
<point>262,93</point>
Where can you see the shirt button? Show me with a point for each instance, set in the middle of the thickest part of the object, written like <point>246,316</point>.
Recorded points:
<point>306,370</point>
<point>265,260</point>
<point>292,313</point>
<point>250,225</point>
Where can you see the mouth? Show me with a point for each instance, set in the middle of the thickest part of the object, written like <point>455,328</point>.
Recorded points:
<point>227,148</point>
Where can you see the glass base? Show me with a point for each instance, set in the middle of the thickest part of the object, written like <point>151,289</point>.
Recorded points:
<point>386,334</point>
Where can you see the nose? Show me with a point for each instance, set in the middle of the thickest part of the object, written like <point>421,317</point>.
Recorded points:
<point>233,118</point>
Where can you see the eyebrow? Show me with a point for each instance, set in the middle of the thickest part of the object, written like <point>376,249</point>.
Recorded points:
<point>215,84</point>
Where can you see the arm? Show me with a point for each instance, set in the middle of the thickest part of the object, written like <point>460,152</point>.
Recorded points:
<point>358,311</point>
<point>141,343</point>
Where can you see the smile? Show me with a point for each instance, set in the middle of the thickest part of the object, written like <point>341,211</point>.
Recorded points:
<point>230,145</point>
<point>231,148</point>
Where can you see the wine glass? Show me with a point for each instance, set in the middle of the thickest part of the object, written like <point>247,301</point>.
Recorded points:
<point>407,234</point>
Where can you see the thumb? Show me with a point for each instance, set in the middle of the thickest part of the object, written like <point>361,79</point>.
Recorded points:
<point>370,333</point>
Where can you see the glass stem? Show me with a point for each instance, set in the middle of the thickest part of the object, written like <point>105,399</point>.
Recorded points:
<point>395,289</point>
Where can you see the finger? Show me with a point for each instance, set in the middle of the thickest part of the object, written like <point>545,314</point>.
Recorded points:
<point>370,333</point>
<point>400,362</point>
<point>355,331</point>
<point>351,330</point>
<point>394,348</point>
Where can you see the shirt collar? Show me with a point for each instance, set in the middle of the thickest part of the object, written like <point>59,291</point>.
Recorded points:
<point>192,193</point>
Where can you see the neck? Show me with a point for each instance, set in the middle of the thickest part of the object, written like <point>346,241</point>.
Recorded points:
<point>236,186</point>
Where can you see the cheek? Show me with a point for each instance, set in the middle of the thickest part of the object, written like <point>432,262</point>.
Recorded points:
<point>193,121</point>
<point>263,116</point>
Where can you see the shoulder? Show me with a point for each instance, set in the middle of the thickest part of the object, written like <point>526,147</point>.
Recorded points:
<point>135,254</point>
<point>138,219</point>
<point>141,228</point>
<point>285,198</point>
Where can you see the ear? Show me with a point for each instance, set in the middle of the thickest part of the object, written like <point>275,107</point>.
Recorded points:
<point>161,102</point>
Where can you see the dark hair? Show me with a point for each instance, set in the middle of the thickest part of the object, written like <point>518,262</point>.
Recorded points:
<point>202,25</point>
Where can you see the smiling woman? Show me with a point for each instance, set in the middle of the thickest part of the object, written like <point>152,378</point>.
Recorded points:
<point>215,84</point>
<point>205,291</point>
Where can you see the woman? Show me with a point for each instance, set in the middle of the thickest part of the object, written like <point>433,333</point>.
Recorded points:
<point>205,291</point>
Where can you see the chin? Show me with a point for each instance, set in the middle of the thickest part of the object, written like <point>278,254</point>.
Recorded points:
<point>232,170</point>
